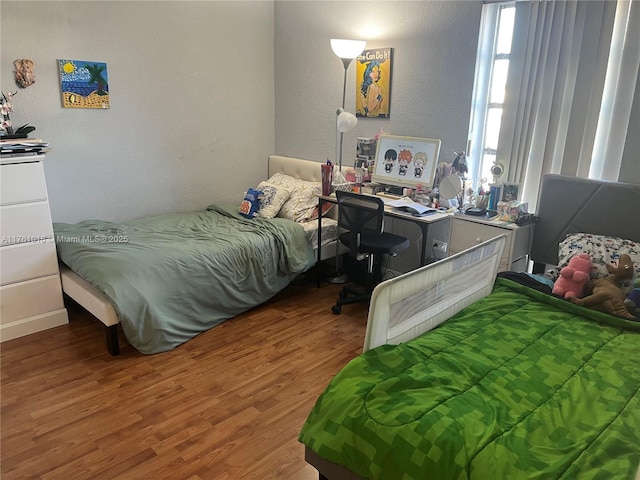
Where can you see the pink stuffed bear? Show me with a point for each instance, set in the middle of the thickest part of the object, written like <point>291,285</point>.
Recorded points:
<point>573,277</point>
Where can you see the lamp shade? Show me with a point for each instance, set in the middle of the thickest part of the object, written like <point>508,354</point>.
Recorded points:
<point>347,48</point>
<point>346,121</point>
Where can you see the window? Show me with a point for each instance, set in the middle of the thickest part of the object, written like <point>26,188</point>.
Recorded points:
<point>566,105</point>
<point>492,65</point>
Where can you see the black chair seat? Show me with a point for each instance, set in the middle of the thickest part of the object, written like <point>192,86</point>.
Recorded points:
<point>386,243</point>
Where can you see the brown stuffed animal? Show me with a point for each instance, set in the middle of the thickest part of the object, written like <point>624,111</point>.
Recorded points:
<point>607,296</point>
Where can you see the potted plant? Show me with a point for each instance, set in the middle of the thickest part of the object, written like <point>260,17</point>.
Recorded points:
<point>6,128</point>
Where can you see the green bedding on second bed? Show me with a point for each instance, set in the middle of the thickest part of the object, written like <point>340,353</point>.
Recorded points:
<point>173,276</point>
<point>518,385</point>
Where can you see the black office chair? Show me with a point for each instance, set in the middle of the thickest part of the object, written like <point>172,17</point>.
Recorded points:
<point>362,216</point>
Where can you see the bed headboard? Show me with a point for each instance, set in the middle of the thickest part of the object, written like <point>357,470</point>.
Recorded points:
<point>573,205</point>
<point>295,167</point>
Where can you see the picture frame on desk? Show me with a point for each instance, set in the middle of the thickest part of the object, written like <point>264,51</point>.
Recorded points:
<point>510,192</point>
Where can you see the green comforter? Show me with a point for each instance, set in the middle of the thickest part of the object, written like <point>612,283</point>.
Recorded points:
<point>518,385</point>
<point>173,276</point>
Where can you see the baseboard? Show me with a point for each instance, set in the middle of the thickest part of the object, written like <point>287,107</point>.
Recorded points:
<point>38,323</point>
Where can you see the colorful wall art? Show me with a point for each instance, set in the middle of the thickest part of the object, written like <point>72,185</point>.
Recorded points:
<point>83,84</point>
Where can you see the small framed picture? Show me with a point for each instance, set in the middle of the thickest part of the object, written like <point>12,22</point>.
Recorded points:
<point>510,192</point>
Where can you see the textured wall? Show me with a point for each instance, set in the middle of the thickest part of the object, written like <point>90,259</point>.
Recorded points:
<point>192,92</point>
<point>434,60</point>
<point>192,101</point>
<point>434,56</point>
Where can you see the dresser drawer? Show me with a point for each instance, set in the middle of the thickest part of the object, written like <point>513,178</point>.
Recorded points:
<point>22,183</point>
<point>465,234</point>
<point>26,261</point>
<point>521,241</point>
<point>29,222</point>
<point>520,265</point>
<point>30,298</point>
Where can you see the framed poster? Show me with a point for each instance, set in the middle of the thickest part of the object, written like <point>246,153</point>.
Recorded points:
<point>83,84</point>
<point>406,161</point>
<point>373,83</point>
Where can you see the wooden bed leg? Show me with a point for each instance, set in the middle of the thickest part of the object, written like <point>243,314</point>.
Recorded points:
<point>112,340</point>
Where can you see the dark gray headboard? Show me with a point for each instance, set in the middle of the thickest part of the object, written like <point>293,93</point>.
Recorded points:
<point>572,205</point>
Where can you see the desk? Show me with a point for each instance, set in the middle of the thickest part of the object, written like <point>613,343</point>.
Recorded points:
<point>422,222</point>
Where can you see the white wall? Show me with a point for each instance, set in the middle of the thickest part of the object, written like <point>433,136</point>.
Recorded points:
<point>198,99</point>
<point>192,101</point>
<point>434,55</point>
<point>434,60</point>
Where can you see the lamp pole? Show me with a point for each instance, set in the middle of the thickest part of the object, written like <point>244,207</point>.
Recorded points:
<point>346,62</point>
<point>346,50</point>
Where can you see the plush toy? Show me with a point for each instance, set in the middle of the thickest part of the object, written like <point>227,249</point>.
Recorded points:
<point>607,296</point>
<point>573,277</point>
<point>633,299</point>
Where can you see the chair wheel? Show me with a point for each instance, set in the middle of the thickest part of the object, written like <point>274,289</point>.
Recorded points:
<point>336,309</point>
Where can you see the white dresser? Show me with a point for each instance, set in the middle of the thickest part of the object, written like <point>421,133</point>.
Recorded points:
<point>467,231</point>
<point>30,287</point>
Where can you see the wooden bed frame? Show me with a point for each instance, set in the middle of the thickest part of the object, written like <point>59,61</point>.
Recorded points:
<point>566,205</point>
<point>96,303</point>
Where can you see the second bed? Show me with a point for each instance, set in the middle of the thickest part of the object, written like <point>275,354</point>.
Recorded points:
<point>166,278</point>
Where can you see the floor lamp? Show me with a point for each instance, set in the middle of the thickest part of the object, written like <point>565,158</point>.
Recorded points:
<point>346,50</point>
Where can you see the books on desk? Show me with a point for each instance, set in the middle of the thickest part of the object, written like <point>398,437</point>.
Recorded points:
<point>406,205</point>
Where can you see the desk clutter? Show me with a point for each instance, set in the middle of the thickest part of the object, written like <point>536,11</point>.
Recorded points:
<point>510,211</point>
<point>436,190</point>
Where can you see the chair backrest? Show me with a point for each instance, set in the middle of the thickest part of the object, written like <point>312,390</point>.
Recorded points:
<point>359,214</point>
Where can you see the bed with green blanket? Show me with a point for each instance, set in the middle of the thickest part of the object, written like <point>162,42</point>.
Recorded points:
<point>172,276</point>
<point>465,376</point>
<point>517,385</point>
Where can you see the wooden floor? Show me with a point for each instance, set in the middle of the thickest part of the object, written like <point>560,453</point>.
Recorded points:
<point>228,404</point>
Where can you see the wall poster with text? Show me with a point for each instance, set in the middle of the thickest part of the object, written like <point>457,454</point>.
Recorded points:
<point>373,83</point>
<point>83,84</point>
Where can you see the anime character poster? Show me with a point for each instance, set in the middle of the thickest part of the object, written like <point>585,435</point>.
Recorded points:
<point>373,83</point>
<point>83,84</point>
<point>406,161</point>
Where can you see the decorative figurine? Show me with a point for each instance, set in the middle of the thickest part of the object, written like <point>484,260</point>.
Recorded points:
<point>460,164</point>
<point>24,72</point>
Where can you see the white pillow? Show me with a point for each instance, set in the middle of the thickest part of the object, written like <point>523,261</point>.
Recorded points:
<point>272,200</point>
<point>301,204</point>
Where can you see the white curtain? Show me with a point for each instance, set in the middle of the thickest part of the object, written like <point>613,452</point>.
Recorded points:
<point>572,76</point>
